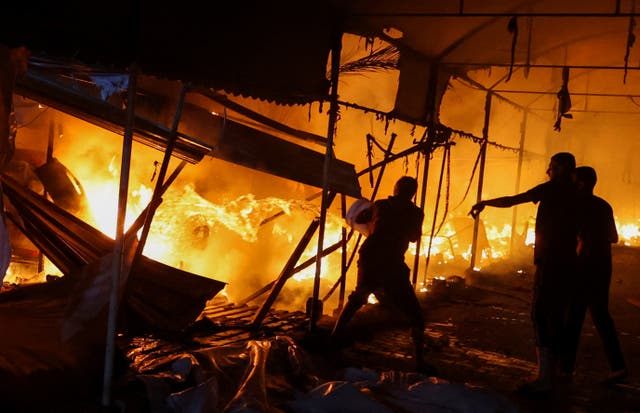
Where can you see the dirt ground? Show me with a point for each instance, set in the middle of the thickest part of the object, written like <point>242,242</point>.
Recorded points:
<point>478,334</point>
<point>482,335</point>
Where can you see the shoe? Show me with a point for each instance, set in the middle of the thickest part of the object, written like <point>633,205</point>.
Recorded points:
<point>618,376</point>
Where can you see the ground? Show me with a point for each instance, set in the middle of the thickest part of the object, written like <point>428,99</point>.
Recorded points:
<point>478,334</point>
<point>482,335</point>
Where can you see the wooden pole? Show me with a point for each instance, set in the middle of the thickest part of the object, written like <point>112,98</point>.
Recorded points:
<point>514,216</point>
<point>125,167</point>
<point>483,157</point>
<point>333,120</point>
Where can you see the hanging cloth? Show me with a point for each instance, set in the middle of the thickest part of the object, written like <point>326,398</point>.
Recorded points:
<point>564,100</point>
<point>513,28</point>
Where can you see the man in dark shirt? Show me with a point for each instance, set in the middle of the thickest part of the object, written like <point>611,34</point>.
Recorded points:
<point>597,231</point>
<point>554,257</point>
<point>394,223</point>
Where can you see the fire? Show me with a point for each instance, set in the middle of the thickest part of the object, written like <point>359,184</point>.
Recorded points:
<point>333,234</point>
<point>186,225</point>
<point>194,234</point>
<point>629,233</point>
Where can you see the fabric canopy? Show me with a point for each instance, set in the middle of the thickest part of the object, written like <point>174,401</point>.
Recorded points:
<point>269,50</point>
<point>278,50</point>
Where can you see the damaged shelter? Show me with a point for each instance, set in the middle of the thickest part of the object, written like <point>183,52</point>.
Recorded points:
<point>165,164</point>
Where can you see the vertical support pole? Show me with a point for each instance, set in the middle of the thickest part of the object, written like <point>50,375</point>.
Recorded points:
<point>333,120</point>
<point>423,199</point>
<point>514,216</point>
<point>125,165</point>
<point>483,158</point>
<point>343,262</point>
<point>431,110</point>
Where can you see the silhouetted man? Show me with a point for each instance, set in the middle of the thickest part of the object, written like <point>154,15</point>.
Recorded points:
<point>554,257</point>
<point>394,223</point>
<point>597,231</point>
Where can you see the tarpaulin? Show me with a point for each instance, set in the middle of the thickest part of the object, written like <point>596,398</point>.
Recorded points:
<point>275,375</point>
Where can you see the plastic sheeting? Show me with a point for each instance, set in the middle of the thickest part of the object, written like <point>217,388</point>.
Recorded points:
<point>274,375</point>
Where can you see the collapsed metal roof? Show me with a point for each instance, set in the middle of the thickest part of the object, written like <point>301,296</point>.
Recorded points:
<point>201,132</point>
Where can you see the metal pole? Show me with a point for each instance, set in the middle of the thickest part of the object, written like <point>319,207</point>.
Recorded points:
<point>333,119</point>
<point>514,216</point>
<point>125,166</point>
<point>483,157</point>
<point>423,198</point>
<point>432,113</point>
<point>343,257</point>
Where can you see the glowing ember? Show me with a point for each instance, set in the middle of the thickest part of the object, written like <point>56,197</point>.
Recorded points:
<point>372,299</point>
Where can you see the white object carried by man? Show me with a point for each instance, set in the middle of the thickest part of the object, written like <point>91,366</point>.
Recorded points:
<point>356,208</point>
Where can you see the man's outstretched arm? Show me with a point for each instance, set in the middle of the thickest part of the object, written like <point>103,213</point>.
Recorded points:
<point>501,202</point>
